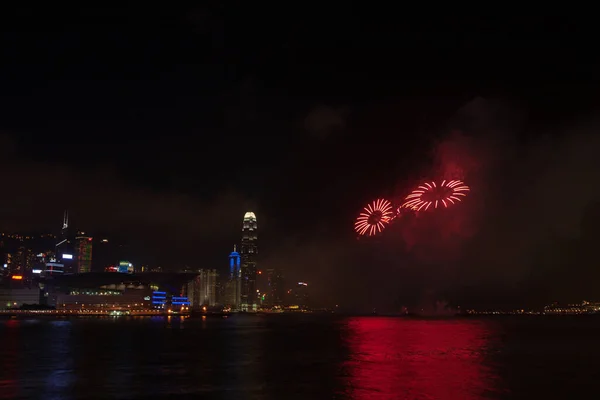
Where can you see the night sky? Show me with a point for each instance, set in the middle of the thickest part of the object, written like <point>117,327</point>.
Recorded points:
<point>163,126</point>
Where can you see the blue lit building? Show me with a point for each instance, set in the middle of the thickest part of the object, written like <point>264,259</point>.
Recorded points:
<point>233,287</point>
<point>179,301</point>
<point>159,299</point>
<point>234,263</point>
<point>125,267</point>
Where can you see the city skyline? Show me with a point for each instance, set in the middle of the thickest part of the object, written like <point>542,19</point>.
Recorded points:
<point>66,241</point>
<point>55,274</point>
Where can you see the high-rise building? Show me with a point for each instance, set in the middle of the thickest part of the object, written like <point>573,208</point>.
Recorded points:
<point>83,248</point>
<point>104,255</point>
<point>27,259</point>
<point>63,237</point>
<point>275,291</point>
<point>63,249</point>
<point>248,254</point>
<point>301,295</point>
<point>232,285</point>
<point>202,290</point>
<point>19,259</point>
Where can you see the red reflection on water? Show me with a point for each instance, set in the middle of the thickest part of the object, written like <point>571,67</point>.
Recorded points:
<point>416,359</point>
<point>9,355</point>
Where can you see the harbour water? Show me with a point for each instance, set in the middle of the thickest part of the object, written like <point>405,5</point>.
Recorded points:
<point>299,357</point>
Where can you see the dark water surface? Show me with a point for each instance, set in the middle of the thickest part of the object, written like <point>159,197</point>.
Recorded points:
<point>299,357</point>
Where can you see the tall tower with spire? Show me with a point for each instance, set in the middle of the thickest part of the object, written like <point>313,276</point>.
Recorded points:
<point>63,252</point>
<point>234,263</point>
<point>233,283</point>
<point>249,252</point>
<point>65,220</point>
<point>63,238</point>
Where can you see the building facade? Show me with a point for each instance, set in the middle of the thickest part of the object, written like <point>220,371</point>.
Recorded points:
<point>54,268</point>
<point>83,248</point>
<point>202,290</point>
<point>249,252</point>
<point>21,261</point>
<point>92,299</point>
<point>17,297</point>
<point>300,295</point>
<point>17,256</point>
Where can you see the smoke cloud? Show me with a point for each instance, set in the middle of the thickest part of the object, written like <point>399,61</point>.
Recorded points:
<point>531,192</point>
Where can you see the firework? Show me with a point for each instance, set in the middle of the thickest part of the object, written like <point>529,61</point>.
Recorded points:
<point>374,217</point>
<point>433,195</point>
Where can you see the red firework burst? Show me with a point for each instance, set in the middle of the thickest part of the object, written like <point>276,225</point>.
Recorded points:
<point>374,217</point>
<point>433,195</point>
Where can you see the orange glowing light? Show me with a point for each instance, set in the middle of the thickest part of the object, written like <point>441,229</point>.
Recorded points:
<point>17,277</point>
<point>260,272</point>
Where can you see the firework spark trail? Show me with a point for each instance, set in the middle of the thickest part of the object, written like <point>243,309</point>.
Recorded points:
<point>374,218</point>
<point>432,195</point>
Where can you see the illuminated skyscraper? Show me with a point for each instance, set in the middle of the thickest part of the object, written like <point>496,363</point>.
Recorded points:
<point>234,264</point>
<point>233,282</point>
<point>83,249</point>
<point>248,255</point>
